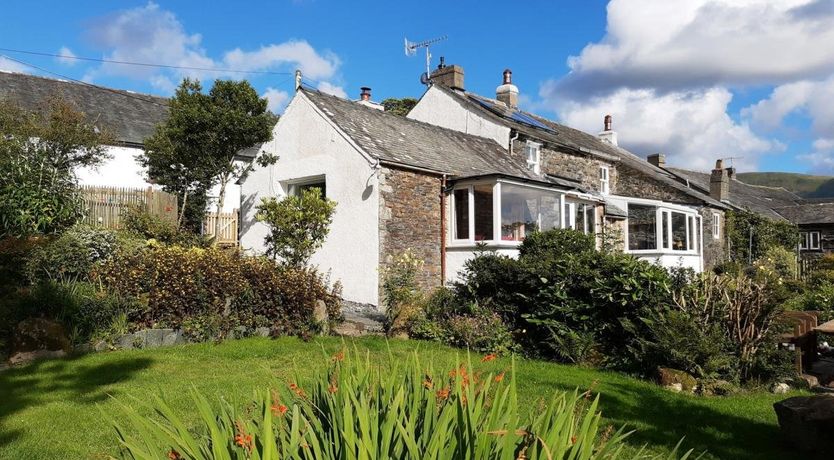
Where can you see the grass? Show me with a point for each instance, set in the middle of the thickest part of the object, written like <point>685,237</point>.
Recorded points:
<point>63,408</point>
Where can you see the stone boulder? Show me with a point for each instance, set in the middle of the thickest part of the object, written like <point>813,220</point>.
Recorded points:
<point>716,388</point>
<point>37,338</point>
<point>321,317</point>
<point>675,380</point>
<point>808,422</point>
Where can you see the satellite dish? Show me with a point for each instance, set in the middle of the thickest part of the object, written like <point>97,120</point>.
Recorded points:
<point>424,78</point>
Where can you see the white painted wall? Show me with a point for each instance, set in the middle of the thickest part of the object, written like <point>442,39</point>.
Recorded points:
<point>440,109</point>
<point>667,260</point>
<point>122,170</point>
<point>308,145</point>
<point>456,257</point>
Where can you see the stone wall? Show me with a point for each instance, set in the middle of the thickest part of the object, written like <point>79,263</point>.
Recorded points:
<point>409,218</point>
<point>581,168</point>
<point>631,182</point>
<point>714,253</point>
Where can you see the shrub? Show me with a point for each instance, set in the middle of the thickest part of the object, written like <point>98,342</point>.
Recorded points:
<point>298,225</point>
<point>179,284</point>
<point>359,411</point>
<point>401,295</point>
<point>72,256</point>
<point>141,223</point>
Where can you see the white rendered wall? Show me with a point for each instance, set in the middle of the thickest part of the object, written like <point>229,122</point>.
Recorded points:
<point>457,257</point>
<point>122,170</point>
<point>309,146</point>
<point>439,109</point>
<point>666,260</point>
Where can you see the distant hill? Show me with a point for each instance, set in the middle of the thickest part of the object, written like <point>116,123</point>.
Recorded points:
<point>805,185</point>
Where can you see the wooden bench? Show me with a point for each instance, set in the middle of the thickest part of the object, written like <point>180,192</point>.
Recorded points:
<point>803,337</point>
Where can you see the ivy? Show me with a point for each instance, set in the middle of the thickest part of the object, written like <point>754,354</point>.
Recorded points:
<point>750,235</point>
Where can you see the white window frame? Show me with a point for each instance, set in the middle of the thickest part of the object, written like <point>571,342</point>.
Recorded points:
<point>806,241</point>
<point>818,244</point>
<point>716,226</point>
<point>535,164</point>
<point>292,186</point>
<point>604,180</point>
<point>693,247</point>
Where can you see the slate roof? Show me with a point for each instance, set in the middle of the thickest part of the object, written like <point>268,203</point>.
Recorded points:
<point>756,198</point>
<point>809,213</point>
<point>131,117</point>
<point>399,140</point>
<point>564,136</point>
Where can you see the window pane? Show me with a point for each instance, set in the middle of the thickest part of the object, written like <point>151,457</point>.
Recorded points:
<point>551,205</point>
<point>590,219</point>
<point>691,223</point>
<point>579,218</point>
<point>664,229</point>
<point>483,212</point>
<point>679,237</point>
<point>815,240</point>
<point>520,209</point>
<point>803,240</point>
<point>642,227</point>
<point>462,214</point>
<point>698,233</point>
<point>569,223</point>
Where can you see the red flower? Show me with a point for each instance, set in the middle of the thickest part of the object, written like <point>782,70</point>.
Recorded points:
<point>489,357</point>
<point>340,356</point>
<point>573,439</point>
<point>279,409</point>
<point>333,388</point>
<point>174,455</point>
<point>443,393</point>
<point>499,377</point>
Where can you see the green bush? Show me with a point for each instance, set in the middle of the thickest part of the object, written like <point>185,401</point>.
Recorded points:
<point>72,256</point>
<point>181,284</point>
<point>359,411</point>
<point>142,224</point>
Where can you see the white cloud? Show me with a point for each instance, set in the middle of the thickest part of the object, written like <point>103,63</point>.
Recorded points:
<point>276,99</point>
<point>8,65</point>
<point>692,128</point>
<point>816,98</point>
<point>821,159</point>
<point>67,56</point>
<point>329,88</point>
<point>150,34</point>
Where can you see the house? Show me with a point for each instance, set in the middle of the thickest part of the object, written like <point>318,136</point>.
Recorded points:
<point>464,171</point>
<point>129,116</point>
<point>814,217</point>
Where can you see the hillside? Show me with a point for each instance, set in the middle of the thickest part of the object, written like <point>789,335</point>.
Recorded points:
<point>805,185</point>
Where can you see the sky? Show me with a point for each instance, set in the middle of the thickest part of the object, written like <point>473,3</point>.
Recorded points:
<point>697,80</point>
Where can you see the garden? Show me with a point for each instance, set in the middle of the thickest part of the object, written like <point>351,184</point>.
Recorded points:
<point>553,354</point>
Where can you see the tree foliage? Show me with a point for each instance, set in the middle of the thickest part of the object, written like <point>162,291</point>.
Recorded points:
<point>197,147</point>
<point>39,154</point>
<point>399,107</point>
<point>750,235</point>
<point>298,225</point>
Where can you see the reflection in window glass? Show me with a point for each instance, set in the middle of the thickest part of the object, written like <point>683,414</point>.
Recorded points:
<point>579,218</point>
<point>462,214</point>
<point>551,218</point>
<point>590,219</point>
<point>679,237</point>
<point>519,211</point>
<point>664,229</point>
<point>642,227</point>
<point>483,212</point>
<point>691,226</point>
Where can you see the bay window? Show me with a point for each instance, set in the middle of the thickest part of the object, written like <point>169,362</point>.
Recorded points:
<point>678,230</point>
<point>508,212</point>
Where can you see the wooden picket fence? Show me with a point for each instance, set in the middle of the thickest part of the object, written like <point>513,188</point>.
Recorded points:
<point>228,227</point>
<point>104,205</point>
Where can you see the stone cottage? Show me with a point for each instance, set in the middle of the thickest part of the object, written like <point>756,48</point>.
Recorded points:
<point>463,171</point>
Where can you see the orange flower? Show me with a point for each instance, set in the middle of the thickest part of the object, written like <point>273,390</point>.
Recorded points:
<point>443,393</point>
<point>297,390</point>
<point>428,383</point>
<point>279,409</point>
<point>499,377</point>
<point>242,439</point>
<point>333,388</point>
<point>174,455</point>
<point>340,356</point>
<point>573,439</point>
<point>489,357</point>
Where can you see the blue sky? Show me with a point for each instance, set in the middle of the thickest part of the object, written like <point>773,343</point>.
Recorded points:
<point>695,79</point>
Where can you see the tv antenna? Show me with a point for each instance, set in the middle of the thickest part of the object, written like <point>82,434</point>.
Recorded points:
<point>411,50</point>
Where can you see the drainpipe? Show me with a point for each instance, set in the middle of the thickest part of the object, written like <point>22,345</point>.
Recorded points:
<point>511,142</point>
<point>443,231</point>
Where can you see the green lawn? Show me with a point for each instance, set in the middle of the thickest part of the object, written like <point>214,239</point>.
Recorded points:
<point>62,408</point>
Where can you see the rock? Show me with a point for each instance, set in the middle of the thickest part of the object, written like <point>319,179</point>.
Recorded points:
<point>675,387</point>
<point>811,380</point>
<point>716,388</point>
<point>37,338</point>
<point>102,346</point>
<point>780,388</point>
<point>262,331</point>
<point>667,377</point>
<point>807,422</point>
<point>320,315</point>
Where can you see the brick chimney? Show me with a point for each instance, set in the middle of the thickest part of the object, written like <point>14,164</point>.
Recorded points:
<point>507,92</point>
<point>657,159</point>
<point>719,182</point>
<point>608,134</point>
<point>448,76</point>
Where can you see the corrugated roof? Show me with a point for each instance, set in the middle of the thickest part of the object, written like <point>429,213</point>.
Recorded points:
<point>131,117</point>
<point>575,139</point>
<point>407,142</point>
<point>756,198</point>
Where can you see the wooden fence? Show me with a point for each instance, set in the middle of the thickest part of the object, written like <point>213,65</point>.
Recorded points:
<point>105,205</point>
<point>228,227</point>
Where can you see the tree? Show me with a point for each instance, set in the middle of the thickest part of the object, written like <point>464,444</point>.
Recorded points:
<point>298,225</point>
<point>39,153</point>
<point>197,147</point>
<point>399,107</point>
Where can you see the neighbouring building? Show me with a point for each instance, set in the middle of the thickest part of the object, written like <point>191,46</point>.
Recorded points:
<point>463,171</point>
<point>130,117</point>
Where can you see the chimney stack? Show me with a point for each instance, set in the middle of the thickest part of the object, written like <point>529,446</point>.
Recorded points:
<point>719,182</point>
<point>657,159</point>
<point>507,92</point>
<point>448,76</point>
<point>365,99</point>
<point>607,134</point>
<point>365,95</point>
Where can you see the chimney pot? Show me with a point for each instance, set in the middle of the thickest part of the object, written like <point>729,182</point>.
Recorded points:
<point>442,62</point>
<point>508,77</point>
<point>607,122</point>
<point>365,95</point>
<point>507,92</point>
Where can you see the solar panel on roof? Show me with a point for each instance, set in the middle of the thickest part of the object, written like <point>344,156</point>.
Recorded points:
<point>526,119</point>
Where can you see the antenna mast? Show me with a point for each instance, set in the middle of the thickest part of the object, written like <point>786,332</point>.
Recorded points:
<point>411,50</point>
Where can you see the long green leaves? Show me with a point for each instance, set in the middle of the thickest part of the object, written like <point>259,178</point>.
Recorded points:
<point>365,411</point>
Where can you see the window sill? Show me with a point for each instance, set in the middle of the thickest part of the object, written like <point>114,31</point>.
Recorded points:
<point>490,244</point>
<point>661,252</point>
